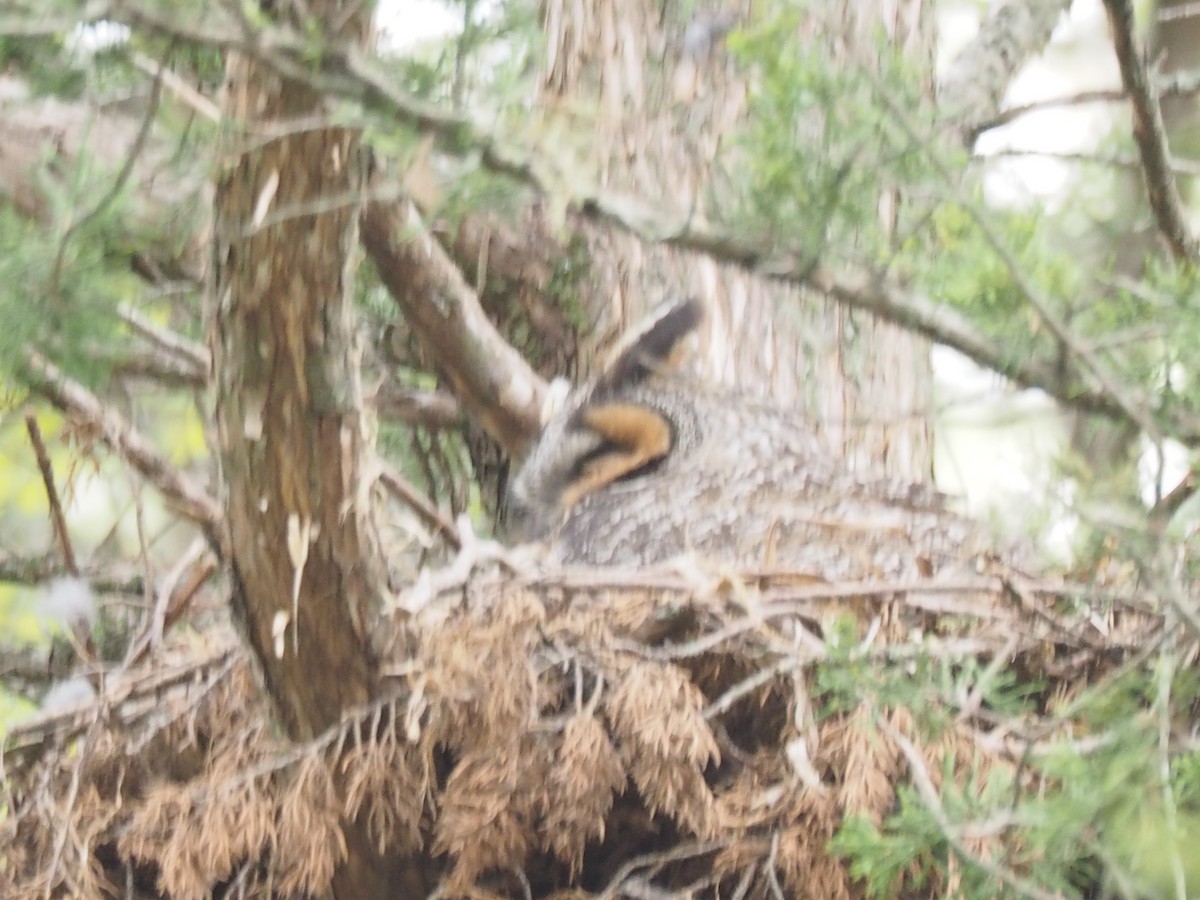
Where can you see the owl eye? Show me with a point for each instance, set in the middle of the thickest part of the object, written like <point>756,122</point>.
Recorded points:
<point>632,438</point>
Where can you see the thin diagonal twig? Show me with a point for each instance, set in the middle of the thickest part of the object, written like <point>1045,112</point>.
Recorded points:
<point>1149,134</point>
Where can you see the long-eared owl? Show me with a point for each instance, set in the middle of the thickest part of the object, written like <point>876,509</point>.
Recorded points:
<point>643,464</point>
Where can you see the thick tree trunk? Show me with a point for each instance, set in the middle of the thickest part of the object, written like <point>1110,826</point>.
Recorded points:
<point>291,429</point>
<point>668,97</point>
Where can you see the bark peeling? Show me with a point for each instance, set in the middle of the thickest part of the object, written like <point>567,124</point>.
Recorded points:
<point>289,409</point>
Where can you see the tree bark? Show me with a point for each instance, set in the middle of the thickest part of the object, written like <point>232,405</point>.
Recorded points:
<point>292,435</point>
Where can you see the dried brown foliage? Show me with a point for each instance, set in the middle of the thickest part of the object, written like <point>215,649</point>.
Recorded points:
<point>561,734</point>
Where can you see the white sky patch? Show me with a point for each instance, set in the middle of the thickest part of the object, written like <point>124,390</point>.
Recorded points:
<point>1069,65</point>
<point>992,441</point>
<point>1016,174</point>
<point>404,24</point>
<point>87,40</point>
<point>1159,472</point>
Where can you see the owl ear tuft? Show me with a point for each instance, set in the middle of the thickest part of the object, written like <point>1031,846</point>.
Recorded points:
<point>652,347</point>
<point>630,437</point>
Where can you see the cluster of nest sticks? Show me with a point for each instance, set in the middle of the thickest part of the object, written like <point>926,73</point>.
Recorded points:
<point>575,733</point>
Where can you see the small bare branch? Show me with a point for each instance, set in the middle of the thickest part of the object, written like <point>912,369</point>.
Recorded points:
<point>179,88</point>
<point>75,400</point>
<point>192,353</point>
<point>57,518</point>
<point>1178,166</point>
<point>174,596</point>
<point>399,487</point>
<point>1149,134</point>
<point>1179,84</point>
<point>134,699</point>
<point>435,410</point>
<point>32,570</point>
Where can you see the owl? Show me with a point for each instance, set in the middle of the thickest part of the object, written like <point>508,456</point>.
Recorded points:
<point>645,463</point>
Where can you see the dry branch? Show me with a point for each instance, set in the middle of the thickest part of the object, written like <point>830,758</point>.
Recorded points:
<point>1179,84</point>
<point>191,354</point>
<point>57,519</point>
<point>491,380</point>
<point>1149,134</point>
<point>415,500</point>
<point>32,570</point>
<point>133,698</point>
<point>434,409</point>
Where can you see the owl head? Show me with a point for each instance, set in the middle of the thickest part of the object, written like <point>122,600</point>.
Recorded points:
<point>617,428</point>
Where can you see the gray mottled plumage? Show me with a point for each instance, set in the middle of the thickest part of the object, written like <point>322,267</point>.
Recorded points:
<point>737,481</point>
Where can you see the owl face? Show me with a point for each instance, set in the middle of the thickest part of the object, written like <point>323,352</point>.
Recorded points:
<point>643,465</point>
<point>615,429</point>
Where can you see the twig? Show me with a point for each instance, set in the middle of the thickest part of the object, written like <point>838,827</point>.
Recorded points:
<point>193,353</point>
<point>1164,510</point>
<point>399,487</point>
<point>1150,135</point>
<point>80,640</point>
<point>114,189</point>
<point>67,724</point>
<point>57,519</point>
<point>746,686</point>
<point>974,700</point>
<point>139,519</point>
<point>432,409</point>
<point>32,570</point>
<point>74,399</point>
<point>172,599</point>
<point>1081,98</point>
<point>166,371</point>
<point>646,860</point>
<point>187,94</point>
<point>1178,166</point>
<point>769,865</point>
<point>743,886</point>
<point>1180,84</point>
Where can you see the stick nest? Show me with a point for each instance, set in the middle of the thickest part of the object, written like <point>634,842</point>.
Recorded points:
<point>574,734</point>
